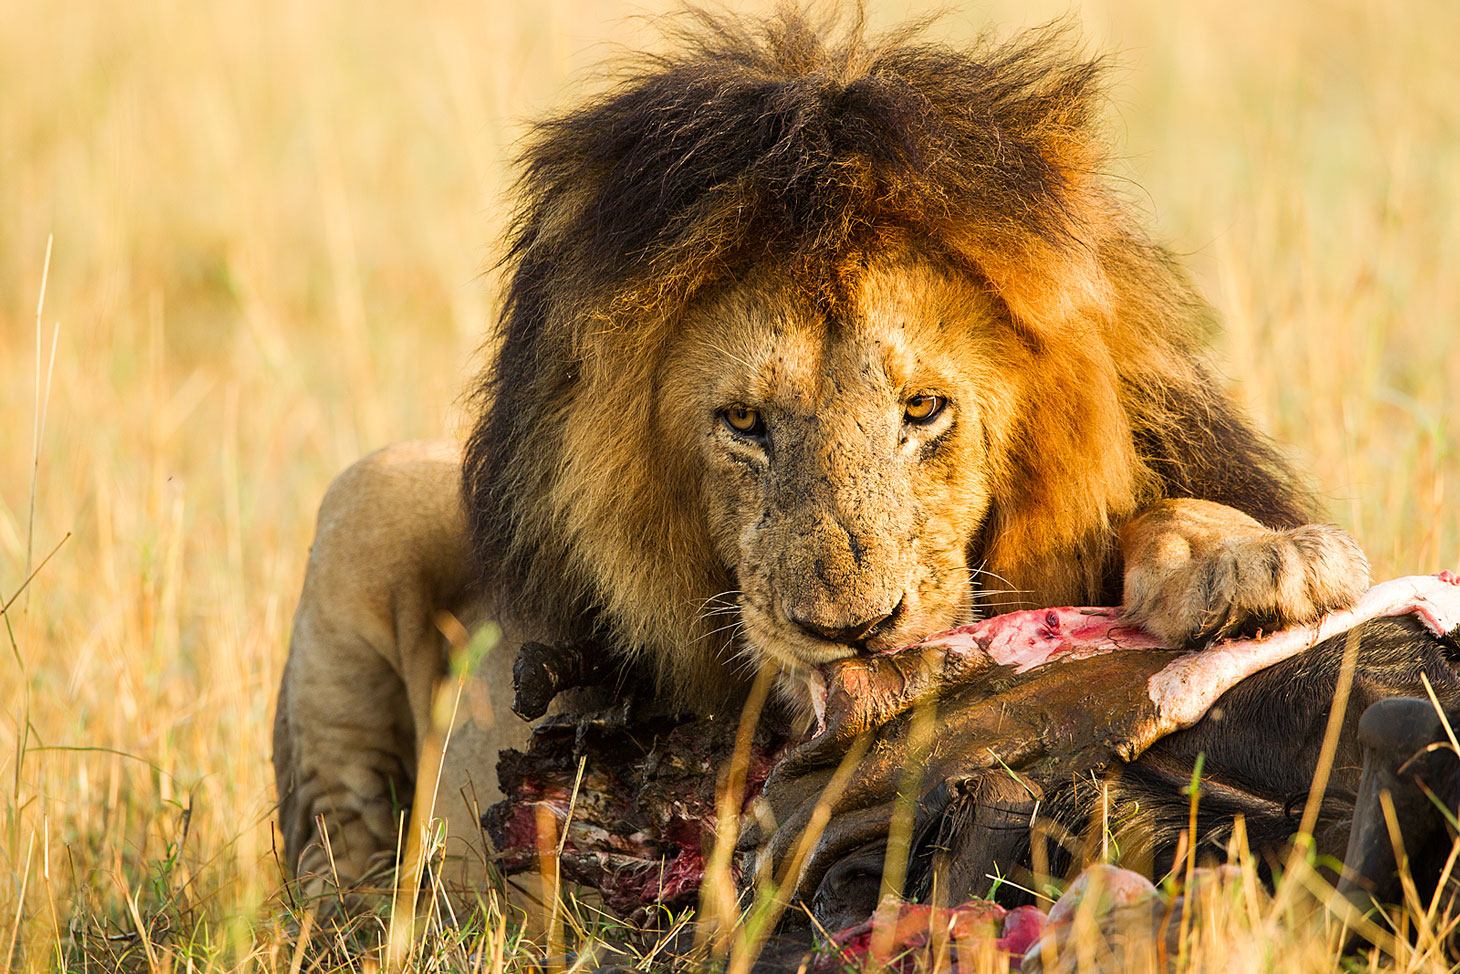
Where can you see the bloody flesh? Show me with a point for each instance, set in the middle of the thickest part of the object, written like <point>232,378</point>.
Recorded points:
<point>641,818</point>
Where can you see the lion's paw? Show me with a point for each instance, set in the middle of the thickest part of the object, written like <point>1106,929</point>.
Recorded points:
<point>1198,572</point>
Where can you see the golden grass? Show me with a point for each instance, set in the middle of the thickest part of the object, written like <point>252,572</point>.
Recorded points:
<point>269,220</point>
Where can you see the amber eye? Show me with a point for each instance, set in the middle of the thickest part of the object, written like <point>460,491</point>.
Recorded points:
<point>924,409</point>
<point>743,420</point>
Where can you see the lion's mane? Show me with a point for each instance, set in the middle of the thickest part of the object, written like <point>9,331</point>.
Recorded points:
<point>791,141</point>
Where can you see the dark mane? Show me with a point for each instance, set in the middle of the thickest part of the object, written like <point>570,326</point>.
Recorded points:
<point>787,140</point>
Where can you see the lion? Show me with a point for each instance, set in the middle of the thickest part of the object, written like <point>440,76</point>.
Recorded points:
<point>812,343</point>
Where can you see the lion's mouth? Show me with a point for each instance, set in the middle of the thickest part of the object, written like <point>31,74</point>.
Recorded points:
<point>798,656</point>
<point>786,645</point>
<point>798,651</point>
<point>867,636</point>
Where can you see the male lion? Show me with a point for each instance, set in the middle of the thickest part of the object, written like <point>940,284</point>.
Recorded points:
<point>811,346</point>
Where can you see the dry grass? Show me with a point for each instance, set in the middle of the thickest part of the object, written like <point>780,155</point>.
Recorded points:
<point>269,221</point>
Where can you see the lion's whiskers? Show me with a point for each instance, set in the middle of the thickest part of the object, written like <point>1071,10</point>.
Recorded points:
<point>973,578</point>
<point>734,628</point>
<point>745,663</point>
<point>725,596</point>
<point>720,604</point>
<point>977,603</point>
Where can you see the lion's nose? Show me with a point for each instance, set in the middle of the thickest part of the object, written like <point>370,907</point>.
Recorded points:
<point>855,634</point>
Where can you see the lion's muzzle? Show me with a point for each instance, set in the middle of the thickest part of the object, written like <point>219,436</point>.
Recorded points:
<point>854,634</point>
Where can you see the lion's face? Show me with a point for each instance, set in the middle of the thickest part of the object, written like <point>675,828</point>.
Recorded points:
<point>846,452</point>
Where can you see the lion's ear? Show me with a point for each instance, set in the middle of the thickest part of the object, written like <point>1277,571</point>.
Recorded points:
<point>1053,276</point>
<point>1052,291</point>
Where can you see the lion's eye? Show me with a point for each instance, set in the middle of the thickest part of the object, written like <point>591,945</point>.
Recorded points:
<point>743,420</point>
<point>924,409</point>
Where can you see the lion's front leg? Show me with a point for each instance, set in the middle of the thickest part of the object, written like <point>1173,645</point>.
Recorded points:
<point>1196,571</point>
<point>357,701</point>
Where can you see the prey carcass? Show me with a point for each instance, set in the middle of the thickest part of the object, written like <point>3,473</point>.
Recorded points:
<point>1006,736</point>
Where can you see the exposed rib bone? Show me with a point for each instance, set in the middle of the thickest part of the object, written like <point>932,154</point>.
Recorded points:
<point>1186,688</point>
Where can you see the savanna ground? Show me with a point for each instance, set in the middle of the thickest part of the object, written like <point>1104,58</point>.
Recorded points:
<point>270,223</point>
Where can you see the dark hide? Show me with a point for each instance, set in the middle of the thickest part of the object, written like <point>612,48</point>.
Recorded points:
<point>1260,744</point>
<point>1411,773</point>
<point>1046,783</point>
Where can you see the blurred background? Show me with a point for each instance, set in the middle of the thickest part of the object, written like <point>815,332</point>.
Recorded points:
<point>272,222</point>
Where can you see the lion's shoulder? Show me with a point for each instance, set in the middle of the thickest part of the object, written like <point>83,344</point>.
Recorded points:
<point>391,515</point>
